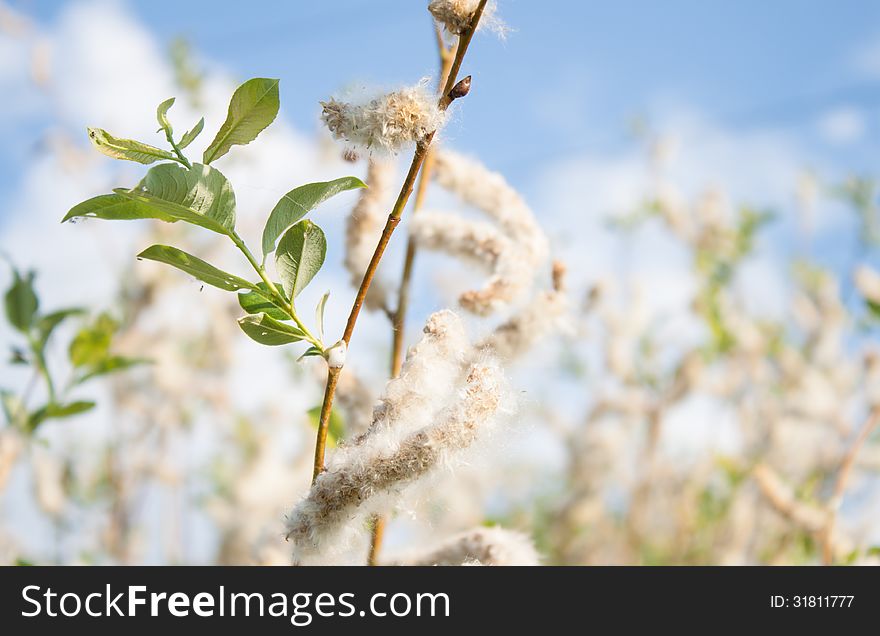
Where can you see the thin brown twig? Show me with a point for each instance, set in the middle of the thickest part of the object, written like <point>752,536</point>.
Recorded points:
<point>843,477</point>
<point>393,221</point>
<point>398,316</point>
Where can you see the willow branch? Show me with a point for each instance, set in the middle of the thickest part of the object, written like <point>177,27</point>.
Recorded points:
<point>449,93</point>
<point>398,316</point>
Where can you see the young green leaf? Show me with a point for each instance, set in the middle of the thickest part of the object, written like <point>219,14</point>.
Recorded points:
<point>46,324</point>
<point>319,314</point>
<point>162,116</point>
<point>21,301</point>
<point>268,331</point>
<point>256,303</point>
<point>190,135</point>
<point>300,254</point>
<point>57,411</point>
<point>201,196</point>
<point>13,409</point>
<point>253,106</point>
<point>111,364</point>
<point>91,345</point>
<point>312,351</point>
<point>300,201</point>
<point>127,149</point>
<point>194,266</point>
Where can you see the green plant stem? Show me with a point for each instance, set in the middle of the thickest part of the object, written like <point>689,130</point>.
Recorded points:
<point>277,297</point>
<point>393,221</point>
<point>177,151</point>
<point>43,369</point>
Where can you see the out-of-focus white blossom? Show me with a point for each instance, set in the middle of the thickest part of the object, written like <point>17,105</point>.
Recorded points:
<point>867,282</point>
<point>514,252</point>
<point>364,226</point>
<point>481,546</point>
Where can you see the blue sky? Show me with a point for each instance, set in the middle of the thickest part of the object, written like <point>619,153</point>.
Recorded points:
<point>758,91</point>
<point>572,75</point>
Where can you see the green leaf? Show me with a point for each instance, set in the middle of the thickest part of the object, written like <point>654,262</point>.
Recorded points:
<point>190,135</point>
<point>202,190</point>
<point>300,254</point>
<point>21,301</point>
<point>312,351</point>
<point>256,303</point>
<point>194,266</point>
<point>319,314</point>
<point>13,409</point>
<point>46,324</point>
<point>300,201</point>
<point>115,207</point>
<point>201,196</point>
<point>91,345</point>
<point>253,106</point>
<point>111,364</point>
<point>58,411</point>
<point>127,149</point>
<point>162,115</point>
<point>268,331</point>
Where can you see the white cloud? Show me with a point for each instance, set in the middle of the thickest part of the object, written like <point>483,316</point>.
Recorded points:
<point>575,197</point>
<point>843,125</point>
<point>866,59</point>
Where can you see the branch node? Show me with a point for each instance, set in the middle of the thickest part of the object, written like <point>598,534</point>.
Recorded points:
<point>461,88</point>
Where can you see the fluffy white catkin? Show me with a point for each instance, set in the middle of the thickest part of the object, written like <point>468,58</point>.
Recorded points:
<point>360,479</point>
<point>513,261</point>
<point>483,244</point>
<point>364,226</point>
<point>489,191</point>
<point>546,313</point>
<point>456,15</point>
<point>480,546</point>
<point>386,122</point>
<point>432,368</point>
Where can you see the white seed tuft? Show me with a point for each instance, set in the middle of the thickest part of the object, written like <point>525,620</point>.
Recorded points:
<point>483,244</point>
<point>388,122</point>
<point>514,251</point>
<point>367,477</point>
<point>455,15</point>
<point>546,313</point>
<point>481,546</point>
<point>427,378</point>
